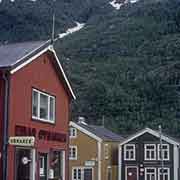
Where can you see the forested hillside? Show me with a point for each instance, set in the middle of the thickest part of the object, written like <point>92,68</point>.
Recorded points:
<point>123,65</point>
<point>28,20</point>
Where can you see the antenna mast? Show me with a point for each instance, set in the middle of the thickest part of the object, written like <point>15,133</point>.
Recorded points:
<point>161,151</point>
<point>53,23</point>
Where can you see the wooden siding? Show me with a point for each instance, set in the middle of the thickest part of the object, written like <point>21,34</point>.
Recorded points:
<point>40,74</point>
<point>139,142</point>
<point>87,149</point>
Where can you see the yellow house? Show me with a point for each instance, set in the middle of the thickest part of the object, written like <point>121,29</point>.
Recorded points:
<point>93,152</point>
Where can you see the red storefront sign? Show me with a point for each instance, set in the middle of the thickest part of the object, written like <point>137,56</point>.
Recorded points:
<point>40,134</point>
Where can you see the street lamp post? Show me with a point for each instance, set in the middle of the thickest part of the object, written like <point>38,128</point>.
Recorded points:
<point>161,150</point>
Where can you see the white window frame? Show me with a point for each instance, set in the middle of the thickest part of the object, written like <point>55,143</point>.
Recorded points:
<point>168,173</point>
<point>42,169</point>
<point>134,152</point>
<point>159,148</point>
<point>145,152</point>
<point>146,168</point>
<point>82,172</point>
<point>38,107</point>
<point>70,153</point>
<point>72,132</point>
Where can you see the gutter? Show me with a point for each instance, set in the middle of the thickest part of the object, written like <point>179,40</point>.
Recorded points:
<point>5,125</point>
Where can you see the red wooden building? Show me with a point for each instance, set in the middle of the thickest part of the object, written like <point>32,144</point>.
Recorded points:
<point>35,98</point>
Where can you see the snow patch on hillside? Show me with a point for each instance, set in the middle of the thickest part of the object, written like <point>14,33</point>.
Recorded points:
<point>72,30</point>
<point>117,5</point>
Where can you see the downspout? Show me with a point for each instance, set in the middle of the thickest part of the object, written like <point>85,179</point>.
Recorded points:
<point>5,125</point>
<point>99,160</point>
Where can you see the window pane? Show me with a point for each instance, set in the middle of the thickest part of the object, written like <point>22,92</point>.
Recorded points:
<point>43,106</point>
<point>35,103</point>
<point>52,109</point>
<point>57,164</point>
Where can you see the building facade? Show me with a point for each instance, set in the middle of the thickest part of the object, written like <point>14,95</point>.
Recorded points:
<point>143,157</point>
<point>93,152</point>
<point>34,113</point>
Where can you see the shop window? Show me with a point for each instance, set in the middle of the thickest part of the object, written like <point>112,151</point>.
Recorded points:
<point>43,166</point>
<point>150,151</point>
<point>165,152</point>
<point>43,106</point>
<point>57,165</point>
<point>150,174</point>
<point>129,152</point>
<point>163,174</point>
<point>73,152</point>
<point>72,132</point>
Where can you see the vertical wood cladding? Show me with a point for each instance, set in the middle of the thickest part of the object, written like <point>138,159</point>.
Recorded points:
<point>40,74</point>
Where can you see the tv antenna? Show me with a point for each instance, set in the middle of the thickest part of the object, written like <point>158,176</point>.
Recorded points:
<point>53,23</point>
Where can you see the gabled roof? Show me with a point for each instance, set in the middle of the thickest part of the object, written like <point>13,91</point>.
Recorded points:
<point>15,56</point>
<point>97,132</point>
<point>155,133</point>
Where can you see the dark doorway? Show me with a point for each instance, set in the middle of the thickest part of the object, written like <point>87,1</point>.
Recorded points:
<point>23,164</point>
<point>87,174</point>
<point>131,173</point>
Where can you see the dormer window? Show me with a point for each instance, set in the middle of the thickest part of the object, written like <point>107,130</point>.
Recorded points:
<point>43,106</point>
<point>165,152</point>
<point>150,152</point>
<point>130,152</point>
<point>72,132</point>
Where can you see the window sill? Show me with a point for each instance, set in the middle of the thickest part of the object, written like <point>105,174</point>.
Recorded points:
<point>42,120</point>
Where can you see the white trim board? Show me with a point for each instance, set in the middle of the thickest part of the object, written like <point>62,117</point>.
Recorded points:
<point>73,124</point>
<point>152,132</point>
<point>51,49</point>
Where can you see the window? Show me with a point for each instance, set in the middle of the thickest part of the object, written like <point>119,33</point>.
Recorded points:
<point>42,165</point>
<point>150,151</point>
<point>165,151</point>
<point>73,132</point>
<point>57,165</point>
<point>129,152</point>
<point>163,174</point>
<point>150,174</point>
<point>43,106</point>
<point>82,173</point>
<point>106,151</point>
<point>77,174</point>
<point>73,152</point>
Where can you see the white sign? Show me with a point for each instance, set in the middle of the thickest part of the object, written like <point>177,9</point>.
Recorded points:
<point>89,163</point>
<point>22,141</point>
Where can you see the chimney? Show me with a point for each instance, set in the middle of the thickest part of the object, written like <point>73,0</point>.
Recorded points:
<point>82,120</point>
